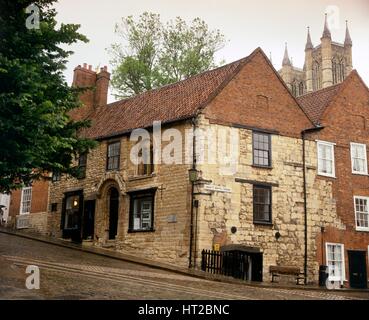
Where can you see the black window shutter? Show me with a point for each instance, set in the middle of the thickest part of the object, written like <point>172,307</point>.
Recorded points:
<point>81,209</point>
<point>62,221</point>
<point>131,200</point>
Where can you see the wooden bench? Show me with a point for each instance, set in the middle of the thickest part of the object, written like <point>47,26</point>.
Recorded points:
<point>277,271</point>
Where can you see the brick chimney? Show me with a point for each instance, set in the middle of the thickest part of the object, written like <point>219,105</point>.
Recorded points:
<point>102,86</point>
<point>95,95</point>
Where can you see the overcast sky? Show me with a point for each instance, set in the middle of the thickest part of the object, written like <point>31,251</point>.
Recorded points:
<point>247,24</point>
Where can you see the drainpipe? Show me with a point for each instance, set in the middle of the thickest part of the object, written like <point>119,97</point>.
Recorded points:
<point>196,205</point>
<point>303,136</point>
<point>192,192</point>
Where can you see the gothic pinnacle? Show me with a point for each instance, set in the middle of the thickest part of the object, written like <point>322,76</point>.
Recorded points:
<point>309,44</point>
<point>326,32</point>
<point>286,60</point>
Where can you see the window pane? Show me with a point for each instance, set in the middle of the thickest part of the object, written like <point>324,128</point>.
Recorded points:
<point>262,207</point>
<point>358,158</point>
<point>26,200</point>
<point>335,260</point>
<point>113,156</point>
<point>325,159</point>
<point>261,149</point>
<point>114,149</point>
<point>362,212</point>
<point>142,213</point>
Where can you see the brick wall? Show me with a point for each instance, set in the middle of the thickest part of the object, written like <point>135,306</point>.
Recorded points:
<point>346,120</point>
<point>39,206</point>
<point>256,97</point>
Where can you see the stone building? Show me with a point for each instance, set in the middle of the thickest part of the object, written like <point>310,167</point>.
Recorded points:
<point>253,202</point>
<point>236,164</point>
<point>325,65</point>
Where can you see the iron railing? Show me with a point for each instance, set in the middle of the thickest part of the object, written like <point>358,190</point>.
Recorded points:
<point>228,263</point>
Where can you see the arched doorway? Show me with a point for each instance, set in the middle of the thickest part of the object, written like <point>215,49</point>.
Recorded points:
<point>113,212</point>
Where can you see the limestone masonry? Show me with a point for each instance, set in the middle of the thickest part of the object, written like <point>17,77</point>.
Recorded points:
<point>295,193</point>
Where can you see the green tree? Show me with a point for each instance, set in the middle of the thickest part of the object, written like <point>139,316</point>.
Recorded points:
<point>153,54</point>
<point>36,133</point>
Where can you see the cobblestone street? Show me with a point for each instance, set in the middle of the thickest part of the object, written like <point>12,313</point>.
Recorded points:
<point>71,274</point>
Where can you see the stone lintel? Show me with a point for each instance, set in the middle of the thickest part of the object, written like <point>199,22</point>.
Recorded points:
<point>269,184</point>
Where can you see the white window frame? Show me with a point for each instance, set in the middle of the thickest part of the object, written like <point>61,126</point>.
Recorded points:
<point>343,270</point>
<point>21,212</point>
<point>361,228</point>
<point>365,172</point>
<point>330,144</point>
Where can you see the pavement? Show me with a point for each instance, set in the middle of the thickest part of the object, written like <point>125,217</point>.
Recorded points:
<point>70,271</point>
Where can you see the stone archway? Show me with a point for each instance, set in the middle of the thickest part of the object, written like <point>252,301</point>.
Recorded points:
<point>109,210</point>
<point>113,212</point>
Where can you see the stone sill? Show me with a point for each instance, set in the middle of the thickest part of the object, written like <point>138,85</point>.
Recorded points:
<point>141,231</point>
<point>261,167</point>
<point>360,174</point>
<point>135,178</point>
<point>261,223</point>
<point>323,176</point>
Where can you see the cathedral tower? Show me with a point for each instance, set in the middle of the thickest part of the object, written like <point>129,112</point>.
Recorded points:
<point>325,65</point>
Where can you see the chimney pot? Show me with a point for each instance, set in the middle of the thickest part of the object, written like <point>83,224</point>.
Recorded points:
<point>85,65</point>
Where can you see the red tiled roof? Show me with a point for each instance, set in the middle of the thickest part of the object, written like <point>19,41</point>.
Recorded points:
<point>173,102</point>
<point>315,103</point>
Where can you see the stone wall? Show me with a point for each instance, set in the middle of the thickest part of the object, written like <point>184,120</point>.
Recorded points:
<point>169,242</point>
<point>220,211</point>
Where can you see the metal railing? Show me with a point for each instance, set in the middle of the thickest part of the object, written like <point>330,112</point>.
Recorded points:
<point>228,263</point>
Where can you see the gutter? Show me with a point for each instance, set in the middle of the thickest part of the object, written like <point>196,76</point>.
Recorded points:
<point>303,136</point>
<point>190,265</point>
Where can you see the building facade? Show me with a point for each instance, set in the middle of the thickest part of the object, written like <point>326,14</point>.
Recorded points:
<point>277,178</point>
<point>325,65</point>
<point>342,112</point>
<point>28,207</point>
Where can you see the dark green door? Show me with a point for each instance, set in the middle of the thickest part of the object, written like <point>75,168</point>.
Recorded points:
<point>257,267</point>
<point>357,269</point>
<point>113,213</point>
<point>88,220</point>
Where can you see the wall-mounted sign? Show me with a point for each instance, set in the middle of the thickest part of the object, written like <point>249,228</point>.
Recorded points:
<point>172,218</point>
<point>212,187</point>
